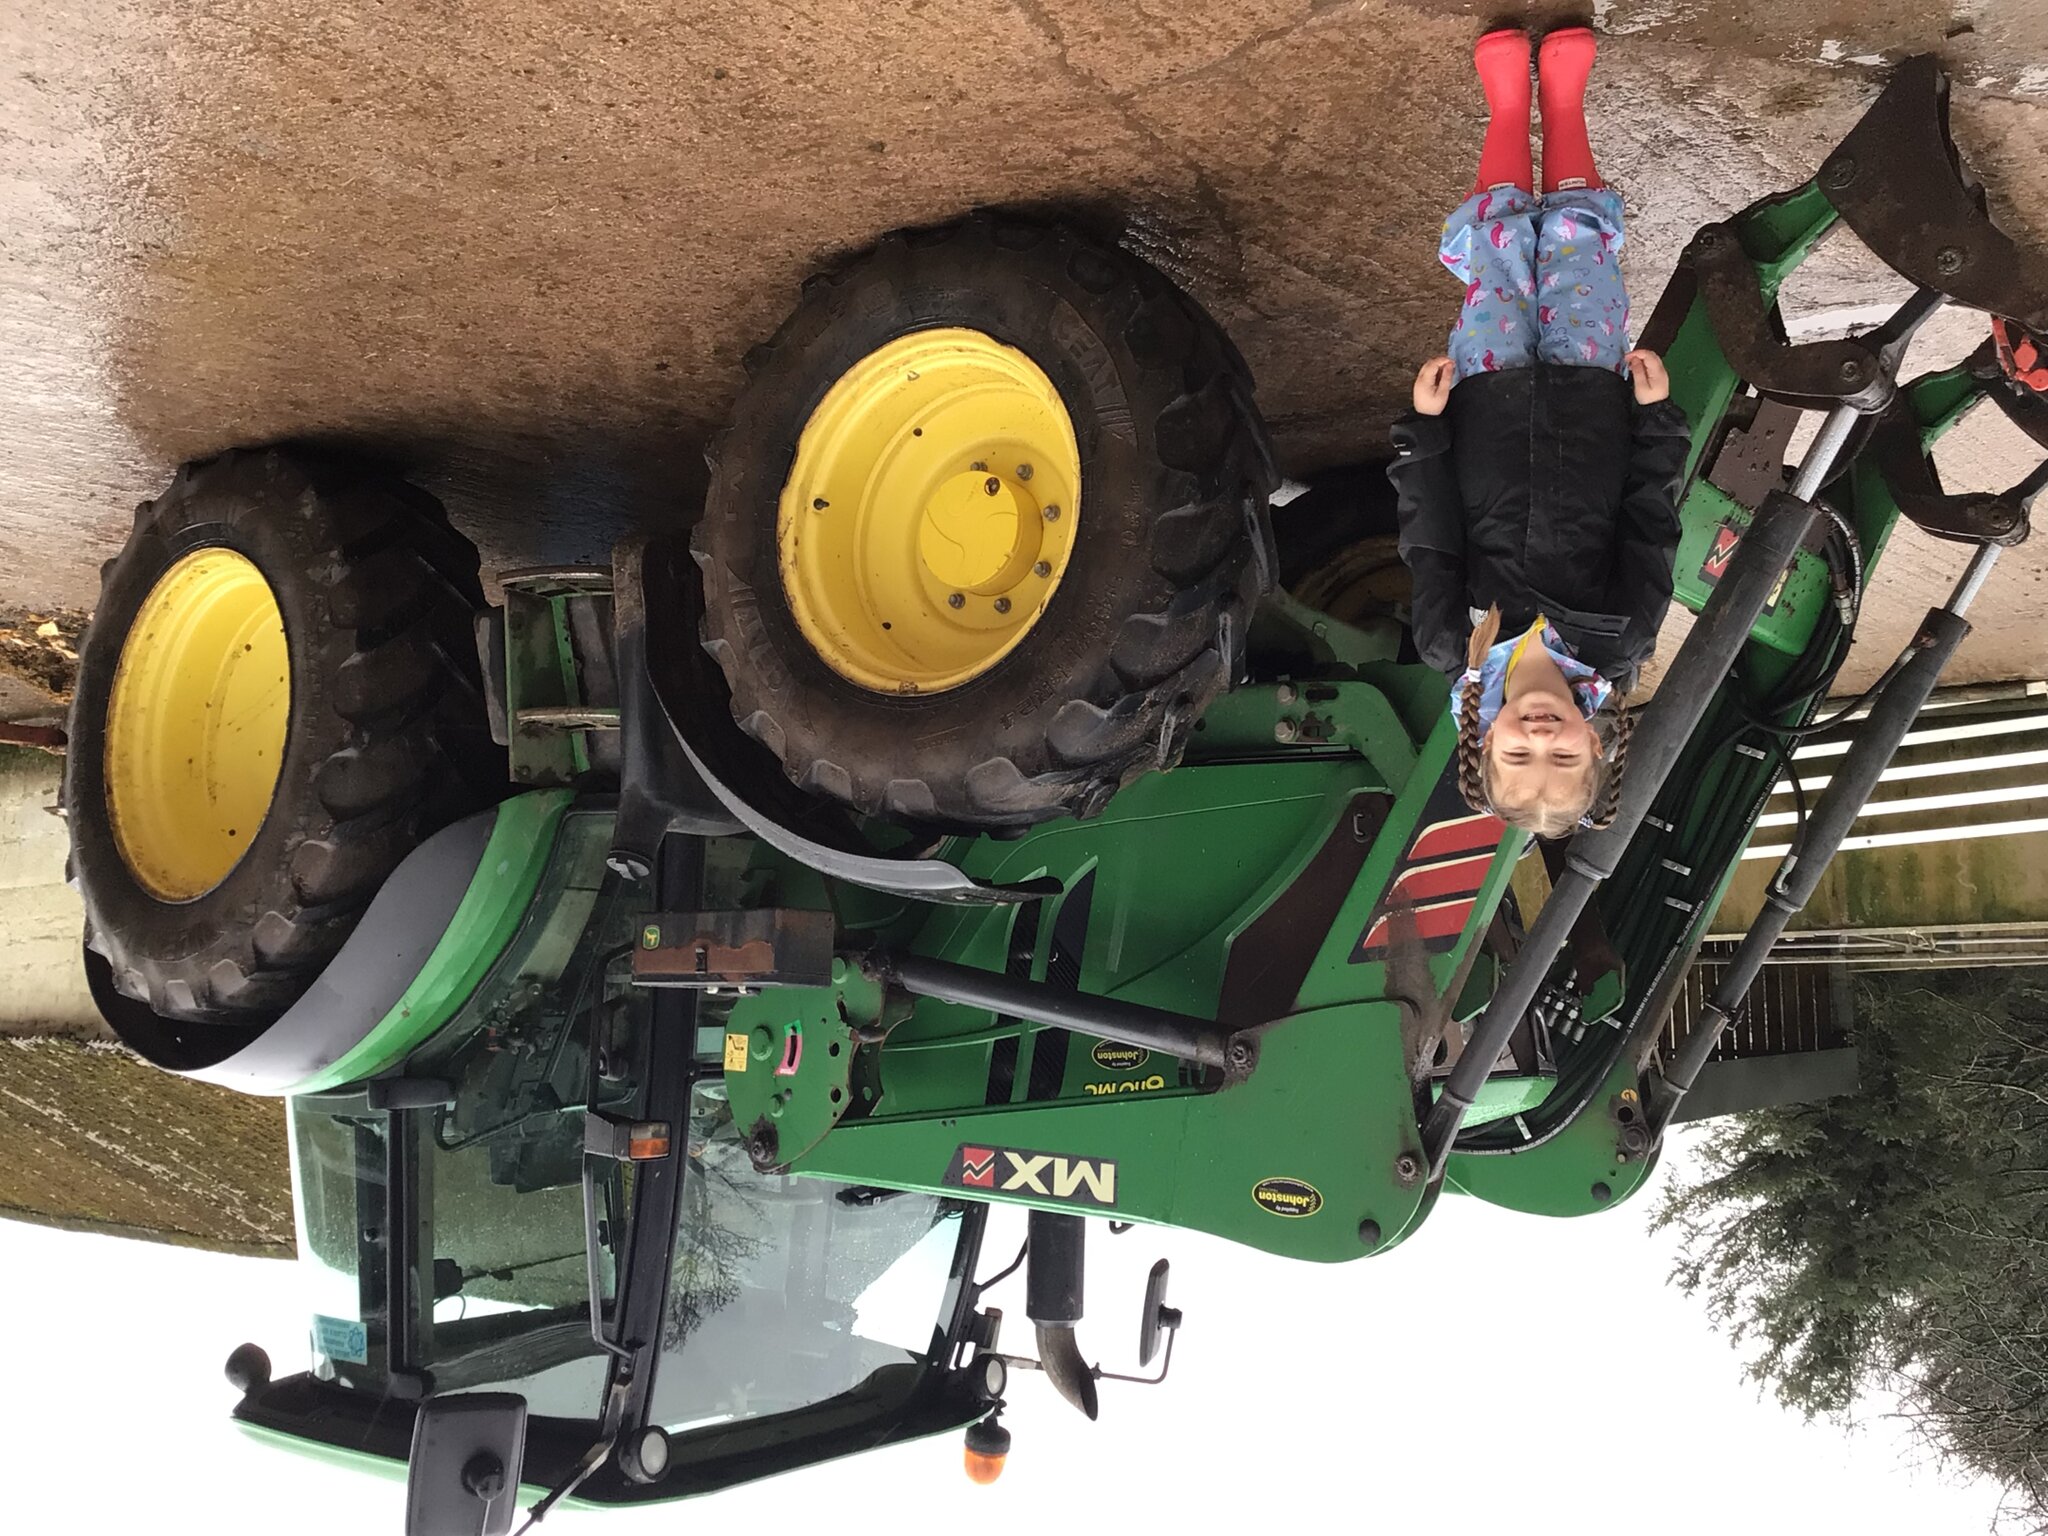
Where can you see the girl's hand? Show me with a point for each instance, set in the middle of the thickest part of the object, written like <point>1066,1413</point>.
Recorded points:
<point>1652,379</point>
<point>1433,387</point>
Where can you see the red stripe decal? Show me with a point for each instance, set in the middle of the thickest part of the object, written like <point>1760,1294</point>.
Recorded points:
<point>1443,920</point>
<point>1453,877</point>
<point>1468,834</point>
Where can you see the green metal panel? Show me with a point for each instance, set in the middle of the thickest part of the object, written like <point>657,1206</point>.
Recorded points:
<point>1324,640</point>
<point>1328,1108</point>
<point>1288,720</point>
<point>522,838</point>
<point>1579,1171</point>
<point>542,672</point>
<point>1785,623</point>
<point>572,690</point>
<point>1177,866</point>
<point>1315,1157</point>
<point>1182,863</point>
<point>1502,1096</point>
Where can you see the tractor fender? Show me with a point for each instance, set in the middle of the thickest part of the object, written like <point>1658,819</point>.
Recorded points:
<point>445,913</point>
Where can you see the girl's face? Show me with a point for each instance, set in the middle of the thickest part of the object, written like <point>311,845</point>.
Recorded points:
<point>1541,750</point>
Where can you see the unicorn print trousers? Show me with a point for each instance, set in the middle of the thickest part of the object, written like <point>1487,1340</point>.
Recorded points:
<point>1542,280</point>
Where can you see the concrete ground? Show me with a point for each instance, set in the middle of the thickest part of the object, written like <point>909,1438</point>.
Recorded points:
<point>45,991</point>
<point>520,248</point>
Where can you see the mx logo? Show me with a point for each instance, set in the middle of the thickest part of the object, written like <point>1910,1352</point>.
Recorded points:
<point>1089,1181</point>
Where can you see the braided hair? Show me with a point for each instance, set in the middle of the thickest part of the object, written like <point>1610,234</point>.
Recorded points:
<point>1607,799</point>
<point>1471,739</point>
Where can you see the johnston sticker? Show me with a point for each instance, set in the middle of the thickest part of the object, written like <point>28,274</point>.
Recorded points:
<point>1089,1181</point>
<point>1287,1197</point>
<point>1115,1056</point>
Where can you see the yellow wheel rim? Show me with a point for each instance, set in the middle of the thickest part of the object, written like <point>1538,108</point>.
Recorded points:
<point>930,512</point>
<point>196,723</point>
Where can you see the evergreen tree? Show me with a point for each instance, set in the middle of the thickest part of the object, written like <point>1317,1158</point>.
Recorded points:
<point>1898,1237</point>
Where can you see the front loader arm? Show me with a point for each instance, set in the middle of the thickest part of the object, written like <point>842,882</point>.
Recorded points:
<point>1288,893</point>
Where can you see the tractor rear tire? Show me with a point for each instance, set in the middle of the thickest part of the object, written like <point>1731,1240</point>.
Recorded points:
<point>378,734</point>
<point>1168,555</point>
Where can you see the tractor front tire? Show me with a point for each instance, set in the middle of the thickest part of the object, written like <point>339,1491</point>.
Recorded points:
<point>277,700</point>
<point>896,674</point>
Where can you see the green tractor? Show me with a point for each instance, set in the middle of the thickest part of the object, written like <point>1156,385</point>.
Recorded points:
<point>672,964</point>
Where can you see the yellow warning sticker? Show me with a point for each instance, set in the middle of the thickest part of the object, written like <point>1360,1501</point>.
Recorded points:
<point>735,1053</point>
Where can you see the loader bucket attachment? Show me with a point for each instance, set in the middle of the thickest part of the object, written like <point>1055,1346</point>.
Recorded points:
<point>1898,182</point>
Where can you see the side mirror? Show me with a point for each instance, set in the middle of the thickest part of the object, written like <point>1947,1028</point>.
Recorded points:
<point>463,1475</point>
<point>1159,1317</point>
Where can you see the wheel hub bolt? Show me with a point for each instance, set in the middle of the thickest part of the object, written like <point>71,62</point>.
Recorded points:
<point>1052,514</point>
<point>1043,568</point>
<point>991,485</point>
<point>955,600</point>
<point>1002,605</point>
<point>1023,471</point>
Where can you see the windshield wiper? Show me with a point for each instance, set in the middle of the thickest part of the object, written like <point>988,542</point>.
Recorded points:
<point>601,1144</point>
<point>613,1143</point>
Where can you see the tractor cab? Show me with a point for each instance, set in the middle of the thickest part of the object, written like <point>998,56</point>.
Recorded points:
<point>502,1218</point>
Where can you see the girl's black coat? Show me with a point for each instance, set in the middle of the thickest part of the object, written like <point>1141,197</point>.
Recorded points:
<point>1545,490</point>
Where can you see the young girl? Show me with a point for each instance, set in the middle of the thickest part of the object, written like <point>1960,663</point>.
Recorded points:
<point>1538,501</point>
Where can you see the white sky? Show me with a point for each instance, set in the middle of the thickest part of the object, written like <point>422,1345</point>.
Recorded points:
<point>1295,1388</point>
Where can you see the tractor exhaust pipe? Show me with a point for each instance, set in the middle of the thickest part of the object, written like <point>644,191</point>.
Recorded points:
<point>1052,1300</point>
<point>1703,662</point>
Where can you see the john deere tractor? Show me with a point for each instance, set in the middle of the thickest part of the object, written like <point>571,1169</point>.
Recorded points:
<point>668,967</point>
